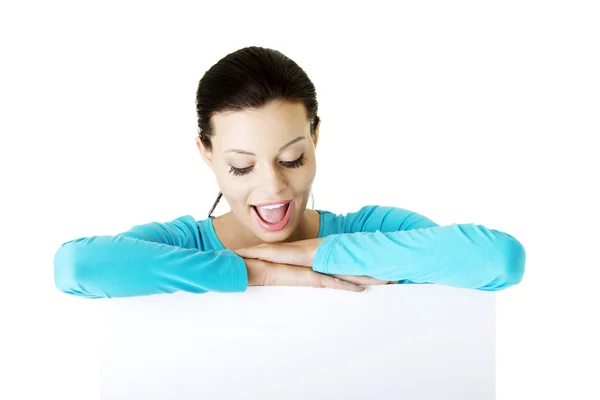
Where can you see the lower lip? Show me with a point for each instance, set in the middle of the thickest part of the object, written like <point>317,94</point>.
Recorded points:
<point>273,227</point>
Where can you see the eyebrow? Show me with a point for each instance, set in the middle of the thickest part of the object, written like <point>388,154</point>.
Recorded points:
<point>280,149</point>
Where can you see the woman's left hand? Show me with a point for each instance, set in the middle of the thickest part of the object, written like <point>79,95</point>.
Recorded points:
<point>300,253</point>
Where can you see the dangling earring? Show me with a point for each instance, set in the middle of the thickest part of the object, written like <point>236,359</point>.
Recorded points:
<point>313,200</point>
<point>215,204</point>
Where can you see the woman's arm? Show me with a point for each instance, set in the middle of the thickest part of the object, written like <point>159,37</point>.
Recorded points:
<point>148,259</point>
<point>391,243</point>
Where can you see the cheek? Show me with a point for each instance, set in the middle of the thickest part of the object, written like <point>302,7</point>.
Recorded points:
<point>233,189</point>
<point>302,181</point>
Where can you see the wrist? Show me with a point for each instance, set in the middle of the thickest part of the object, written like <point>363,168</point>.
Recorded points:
<point>254,272</point>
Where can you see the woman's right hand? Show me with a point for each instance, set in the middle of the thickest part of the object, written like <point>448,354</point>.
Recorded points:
<point>364,280</point>
<point>265,273</point>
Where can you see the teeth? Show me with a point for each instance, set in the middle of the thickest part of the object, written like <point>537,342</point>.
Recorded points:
<point>272,206</point>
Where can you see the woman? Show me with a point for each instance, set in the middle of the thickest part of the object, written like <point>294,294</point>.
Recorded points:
<point>258,131</point>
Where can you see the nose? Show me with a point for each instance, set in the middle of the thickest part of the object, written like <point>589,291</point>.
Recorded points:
<point>272,182</point>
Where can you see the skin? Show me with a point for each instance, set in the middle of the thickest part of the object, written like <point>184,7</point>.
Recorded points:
<point>263,132</point>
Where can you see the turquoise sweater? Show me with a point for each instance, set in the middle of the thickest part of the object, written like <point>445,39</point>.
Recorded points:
<point>383,242</point>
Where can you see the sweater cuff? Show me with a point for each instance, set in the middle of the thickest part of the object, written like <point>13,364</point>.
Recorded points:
<point>239,273</point>
<point>321,257</point>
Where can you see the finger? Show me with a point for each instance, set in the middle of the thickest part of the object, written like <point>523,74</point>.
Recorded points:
<point>361,280</point>
<point>337,283</point>
<point>247,252</point>
<point>265,252</point>
<point>290,275</point>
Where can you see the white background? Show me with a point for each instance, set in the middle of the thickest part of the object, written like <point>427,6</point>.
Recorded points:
<point>466,112</point>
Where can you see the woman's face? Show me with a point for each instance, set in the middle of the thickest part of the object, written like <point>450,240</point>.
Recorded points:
<point>264,156</point>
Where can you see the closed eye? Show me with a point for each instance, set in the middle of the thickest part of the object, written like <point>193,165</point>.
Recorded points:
<point>288,164</point>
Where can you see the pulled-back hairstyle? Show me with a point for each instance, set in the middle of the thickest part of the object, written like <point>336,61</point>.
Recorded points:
<point>251,78</point>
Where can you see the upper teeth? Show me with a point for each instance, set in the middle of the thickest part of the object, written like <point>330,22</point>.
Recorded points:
<point>272,206</point>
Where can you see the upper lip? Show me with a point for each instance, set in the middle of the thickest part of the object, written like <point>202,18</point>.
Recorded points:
<point>272,202</point>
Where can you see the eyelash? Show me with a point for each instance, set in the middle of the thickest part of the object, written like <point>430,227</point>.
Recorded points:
<point>290,164</point>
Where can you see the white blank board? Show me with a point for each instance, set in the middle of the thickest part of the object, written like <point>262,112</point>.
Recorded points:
<point>388,342</point>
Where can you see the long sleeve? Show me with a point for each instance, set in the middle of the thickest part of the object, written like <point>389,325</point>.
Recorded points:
<point>396,244</point>
<point>148,259</point>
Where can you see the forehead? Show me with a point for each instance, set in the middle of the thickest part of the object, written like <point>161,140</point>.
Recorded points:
<point>274,120</point>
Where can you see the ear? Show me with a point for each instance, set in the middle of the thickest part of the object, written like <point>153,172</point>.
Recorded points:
<point>316,139</point>
<point>204,153</point>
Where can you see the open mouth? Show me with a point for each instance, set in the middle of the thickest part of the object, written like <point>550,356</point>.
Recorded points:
<point>273,217</point>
